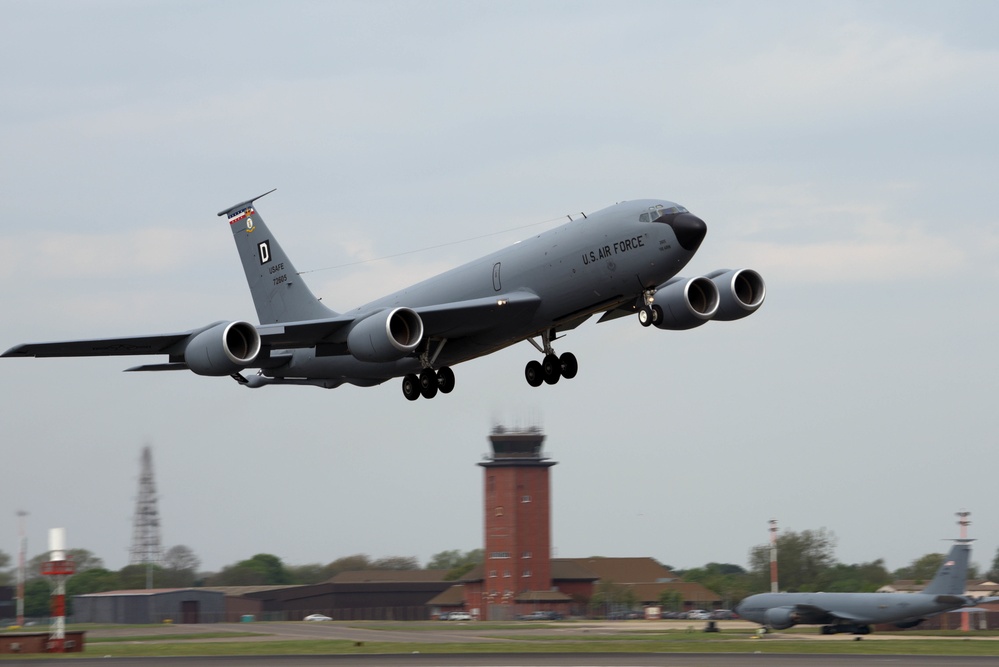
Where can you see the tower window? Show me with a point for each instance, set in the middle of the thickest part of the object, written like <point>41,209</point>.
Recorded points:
<point>525,499</point>
<point>527,573</point>
<point>526,554</point>
<point>492,574</point>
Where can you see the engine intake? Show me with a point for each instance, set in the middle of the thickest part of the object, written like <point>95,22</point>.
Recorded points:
<point>386,336</point>
<point>686,303</point>
<point>780,618</point>
<point>223,349</point>
<point>740,292</point>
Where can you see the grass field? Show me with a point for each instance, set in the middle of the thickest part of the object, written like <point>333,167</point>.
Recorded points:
<point>136,641</point>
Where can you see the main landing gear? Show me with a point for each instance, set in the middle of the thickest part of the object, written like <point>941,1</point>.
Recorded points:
<point>550,369</point>
<point>429,381</point>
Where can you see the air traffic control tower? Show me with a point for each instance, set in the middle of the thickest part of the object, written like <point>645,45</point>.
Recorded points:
<point>517,565</point>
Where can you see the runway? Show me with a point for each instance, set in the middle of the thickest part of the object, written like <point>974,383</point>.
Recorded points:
<point>542,660</point>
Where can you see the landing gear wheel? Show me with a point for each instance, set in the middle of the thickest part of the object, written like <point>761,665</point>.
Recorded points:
<point>657,314</point>
<point>645,316</point>
<point>533,373</point>
<point>551,369</point>
<point>445,379</point>
<point>428,383</point>
<point>569,365</point>
<point>411,387</point>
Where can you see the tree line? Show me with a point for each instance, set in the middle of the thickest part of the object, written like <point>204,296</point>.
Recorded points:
<point>806,562</point>
<point>180,569</point>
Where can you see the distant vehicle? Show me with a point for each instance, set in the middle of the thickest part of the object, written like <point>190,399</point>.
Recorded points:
<point>541,616</point>
<point>698,615</point>
<point>317,617</point>
<point>459,616</point>
<point>723,615</point>
<point>857,612</point>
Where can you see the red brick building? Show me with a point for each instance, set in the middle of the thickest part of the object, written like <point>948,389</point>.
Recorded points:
<point>518,574</point>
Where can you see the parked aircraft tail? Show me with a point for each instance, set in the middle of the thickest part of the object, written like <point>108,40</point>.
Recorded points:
<point>279,293</point>
<point>951,578</point>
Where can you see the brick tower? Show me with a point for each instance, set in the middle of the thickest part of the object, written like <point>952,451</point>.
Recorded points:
<point>517,566</point>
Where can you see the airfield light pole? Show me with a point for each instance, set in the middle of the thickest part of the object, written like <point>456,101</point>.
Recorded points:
<point>964,522</point>
<point>773,556</point>
<point>59,568</point>
<point>22,549</point>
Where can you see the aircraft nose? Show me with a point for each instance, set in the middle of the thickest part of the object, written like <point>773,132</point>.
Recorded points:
<point>689,230</point>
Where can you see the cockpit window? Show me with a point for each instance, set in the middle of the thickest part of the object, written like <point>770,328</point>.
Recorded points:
<point>657,211</point>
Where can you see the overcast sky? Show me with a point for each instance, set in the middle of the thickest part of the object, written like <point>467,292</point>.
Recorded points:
<point>848,151</point>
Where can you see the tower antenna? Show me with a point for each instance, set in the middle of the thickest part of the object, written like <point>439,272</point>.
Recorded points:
<point>146,543</point>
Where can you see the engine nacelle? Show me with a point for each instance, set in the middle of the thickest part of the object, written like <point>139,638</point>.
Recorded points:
<point>386,336</point>
<point>905,625</point>
<point>224,349</point>
<point>740,293</point>
<point>780,618</point>
<point>686,303</point>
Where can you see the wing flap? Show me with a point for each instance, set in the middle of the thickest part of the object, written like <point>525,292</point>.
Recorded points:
<point>465,318</point>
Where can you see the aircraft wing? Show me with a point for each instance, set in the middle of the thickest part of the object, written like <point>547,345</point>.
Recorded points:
<point>445,320</point>
<point>101,347</point>
<point>813,614</point>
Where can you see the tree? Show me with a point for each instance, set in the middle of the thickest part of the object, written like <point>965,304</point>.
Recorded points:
<point>348,564</point>
<point>260,570</point>
<point>731,582</point>
<point>860,578</point>
<point>802,558</point>
<point>312,573</point>
<point>922,569</point>
<point>457,564</point>
<point>180,567</point>
<point>993,573</point>
<point>83,560</point>
<point>396,563</point>
<point>671,600</point>
<point>5,578</point>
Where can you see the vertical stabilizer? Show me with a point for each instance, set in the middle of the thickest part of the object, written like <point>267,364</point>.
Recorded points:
<point>951,578</point>
<point>279,293</point>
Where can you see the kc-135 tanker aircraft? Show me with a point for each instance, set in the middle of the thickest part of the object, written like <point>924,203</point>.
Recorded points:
<point>619,261</point>
<point>857,612</point>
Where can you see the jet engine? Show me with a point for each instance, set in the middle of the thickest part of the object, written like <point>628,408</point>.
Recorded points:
<point>905,625</point>
<point>223,349</point>
<point>780,618</point>
<point>386,336</point>
<point>740,293</point>
<point>686,303</point>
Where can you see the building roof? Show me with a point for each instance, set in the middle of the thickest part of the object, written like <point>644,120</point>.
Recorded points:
<point>452,597</point>
<point>238,591</point>
<point>388,576</point>
<point>626,570</point>
<point>691,592</point>
<point>142,591</point>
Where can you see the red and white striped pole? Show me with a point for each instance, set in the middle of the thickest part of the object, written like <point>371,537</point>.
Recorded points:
<point>773,556</point>
<point>58,568</point>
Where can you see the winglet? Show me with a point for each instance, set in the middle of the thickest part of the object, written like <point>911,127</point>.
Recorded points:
<point>243,204</point>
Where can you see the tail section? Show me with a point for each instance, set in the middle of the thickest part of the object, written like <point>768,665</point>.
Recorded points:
<point>279,293</point>
<point>951,578</point>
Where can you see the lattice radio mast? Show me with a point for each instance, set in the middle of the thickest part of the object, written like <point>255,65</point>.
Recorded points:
<point>146,544</point>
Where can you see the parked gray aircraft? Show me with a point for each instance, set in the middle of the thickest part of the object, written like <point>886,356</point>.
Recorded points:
<point>856,612</point>
<point>618,261</point>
